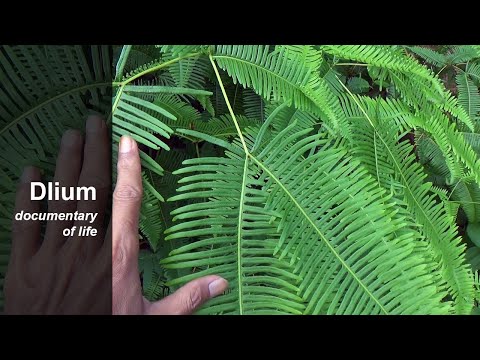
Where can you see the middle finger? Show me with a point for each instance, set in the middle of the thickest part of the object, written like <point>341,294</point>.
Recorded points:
<point>67,171</point>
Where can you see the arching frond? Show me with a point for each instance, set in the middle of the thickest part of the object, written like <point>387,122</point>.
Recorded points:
<point>409,76</point>
<point>391,158</point>
<point>282,76</point>
<point>327,262</point>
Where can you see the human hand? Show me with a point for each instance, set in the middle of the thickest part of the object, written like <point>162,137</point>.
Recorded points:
<point>64,275</point>
<point>75,275</point>
<point>127,295</point>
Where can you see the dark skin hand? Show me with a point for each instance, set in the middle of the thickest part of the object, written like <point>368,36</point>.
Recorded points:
<point>74,275</point>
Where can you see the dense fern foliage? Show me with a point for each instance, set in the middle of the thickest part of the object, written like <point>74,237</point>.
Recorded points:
<point>316,179</point>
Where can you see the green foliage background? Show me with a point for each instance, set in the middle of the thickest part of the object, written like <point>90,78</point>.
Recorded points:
<point>316,179</point>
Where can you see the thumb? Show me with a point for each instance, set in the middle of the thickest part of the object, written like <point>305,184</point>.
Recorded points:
<point>189,297</point>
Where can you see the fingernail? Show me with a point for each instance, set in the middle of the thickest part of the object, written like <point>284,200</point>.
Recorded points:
<point>126,144</point>
<point>71,138</point>
<point>94,123</point>
<point>29,174</point>
<point>216,287</point>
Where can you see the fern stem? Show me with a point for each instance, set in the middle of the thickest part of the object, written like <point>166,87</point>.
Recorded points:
<point>242,195</point>
<point>197,149</point>
<point>350,64</point>
<point>115,103</point>
<point>228,105</point>
<point>443,68</point>
<point>239,237</point>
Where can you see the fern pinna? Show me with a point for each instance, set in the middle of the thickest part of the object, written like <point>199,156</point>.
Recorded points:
<point>315,179</point>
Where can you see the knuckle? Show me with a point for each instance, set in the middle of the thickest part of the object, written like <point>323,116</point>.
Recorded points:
<point>193,299</point>
<point>127,193</point>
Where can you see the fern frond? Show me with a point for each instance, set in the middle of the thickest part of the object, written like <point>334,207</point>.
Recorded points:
<point>190,72</point>
<point>240,243</point>
<point>281,76</point>
<point>328,266</point>
<point>465,194</point>
<point>468,197</point>
<point>306,54</point>
<point>430,156</point>
<point>253,105</point>
<point>153,277</point>
<point>431,56</point>
<point>223,127</point>
<point>234,92</point>
<point>382,56</point>
<point>473,71</point>
<point>331,77</point>
<point>397,159</point>
<point>150,222</point>
<point>314,207</point>
<point>182,50</point>
<point>357,85</point>
<point>409,76</point>
<point>288,115</point>
<point>473,257</point>
<point>468,96</point>
<point>134,58</point>
<point>130,117</point>
<point>462,54</point>
<point>457,152</point>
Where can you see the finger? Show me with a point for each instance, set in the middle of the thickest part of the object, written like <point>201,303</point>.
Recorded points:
<point>95,170</point>
<point>126,209</point>
<point>189,297</point>
<point>67,171</point>
<point>26,234</point>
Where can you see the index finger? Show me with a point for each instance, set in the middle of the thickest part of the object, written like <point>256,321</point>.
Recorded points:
<point>127,199</point>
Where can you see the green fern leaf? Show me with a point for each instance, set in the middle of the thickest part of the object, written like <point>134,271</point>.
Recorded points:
<point>468,96</point>
<point>325,262</point>
<point>396,159</point>
<point>431,56</point>
<point>281,76</point>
